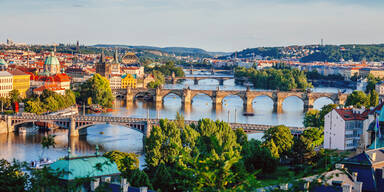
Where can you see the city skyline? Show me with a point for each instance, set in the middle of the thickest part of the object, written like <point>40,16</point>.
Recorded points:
<point>211,25</point>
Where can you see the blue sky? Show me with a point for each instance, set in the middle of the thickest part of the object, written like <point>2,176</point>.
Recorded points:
<point>214,25</point>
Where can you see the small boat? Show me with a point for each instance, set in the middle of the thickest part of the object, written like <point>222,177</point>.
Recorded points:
<point>28,130</point>
<point>248,114</point>
<point>40,164</point>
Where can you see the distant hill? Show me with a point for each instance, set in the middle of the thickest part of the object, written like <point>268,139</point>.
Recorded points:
<point>178,51</point>
<point>311,53</point>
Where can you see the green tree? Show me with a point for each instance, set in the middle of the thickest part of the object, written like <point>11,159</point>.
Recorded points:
<point>47,142</point>
<point>14,96</point>
<point>123,160</point>
<point>373,98</point>
<point>281,137</point>
<point>258,157</point>
<point>372,81</point>
<point>312,118</point>
<point>324,111</point>
<point>98,89</point>
<point>12,179</point>
<point>357,99</point>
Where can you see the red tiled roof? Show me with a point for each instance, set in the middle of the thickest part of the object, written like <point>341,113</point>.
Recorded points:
<point>347,114</point>
<point>52,87</point>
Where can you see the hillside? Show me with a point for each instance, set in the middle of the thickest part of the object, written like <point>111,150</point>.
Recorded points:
<point>178,51</point>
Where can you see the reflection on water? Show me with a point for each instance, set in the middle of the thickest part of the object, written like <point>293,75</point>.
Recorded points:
<point>110,137</point>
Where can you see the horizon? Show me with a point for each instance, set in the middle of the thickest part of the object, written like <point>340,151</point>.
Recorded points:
<point>215,26</point>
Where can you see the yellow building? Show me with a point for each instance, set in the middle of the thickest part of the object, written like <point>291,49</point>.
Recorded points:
<point>128,81</point>
<point>21,81</point>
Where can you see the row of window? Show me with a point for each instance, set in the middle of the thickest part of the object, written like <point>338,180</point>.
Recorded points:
<point>5,87</point>
<point>8,80</point>
<point>4,94</point>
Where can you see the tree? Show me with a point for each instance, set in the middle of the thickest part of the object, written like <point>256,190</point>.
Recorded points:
<point>14,96</point>
<point>357,99</point>
<point>312,118</point>
<point>372,81</point>
<point>324,111</point>
<point>281,137</point>
<point>123,160</point>
<point>12,179</point>
<point>47,142</point>
<point>257,156</point>
<point>373,98</point>
<point>98,89</point>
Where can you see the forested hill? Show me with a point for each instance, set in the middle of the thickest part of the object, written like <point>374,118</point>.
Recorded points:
<point>311,53</point>
<point>332,53</point>
<point>179,51</point>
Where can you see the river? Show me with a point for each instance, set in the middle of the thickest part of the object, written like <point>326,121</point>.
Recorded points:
<point>110,137</point>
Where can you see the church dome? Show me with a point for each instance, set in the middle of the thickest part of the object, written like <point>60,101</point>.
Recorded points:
<point>52,60</point>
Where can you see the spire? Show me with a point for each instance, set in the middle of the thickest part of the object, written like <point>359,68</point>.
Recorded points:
<point>116,56</point>
<point>102,57</point>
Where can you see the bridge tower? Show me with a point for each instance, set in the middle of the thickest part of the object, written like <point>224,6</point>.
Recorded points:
<point>248,101</point>
<point>129,97</point>
<point>187,98</point>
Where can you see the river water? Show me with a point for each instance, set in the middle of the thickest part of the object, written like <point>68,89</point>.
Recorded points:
<point>110,137</point>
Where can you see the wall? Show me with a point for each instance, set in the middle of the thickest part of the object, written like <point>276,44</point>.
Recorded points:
<point>334,131</point>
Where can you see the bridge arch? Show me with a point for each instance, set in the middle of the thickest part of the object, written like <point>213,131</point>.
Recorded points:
<point>225,99</point>
<point>180,95</point>
<point>294,102</point>
<point>82,128</point>
<point>59,123</point>
<point>319,102</point>
<point>263,102</point>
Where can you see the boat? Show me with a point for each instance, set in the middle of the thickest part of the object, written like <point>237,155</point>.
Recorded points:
<point>28,130</point>
<point>40,164</point>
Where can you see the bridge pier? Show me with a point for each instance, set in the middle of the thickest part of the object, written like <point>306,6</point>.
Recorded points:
<point>221,81</point>
<point>73,132</point>
<point>129,97</point>
<point>195,81</point>
<point>10,127</point>
<point>174,81</point>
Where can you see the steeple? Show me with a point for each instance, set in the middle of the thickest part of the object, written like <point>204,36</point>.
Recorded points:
<point>102,57</point>
<point>116,58</point>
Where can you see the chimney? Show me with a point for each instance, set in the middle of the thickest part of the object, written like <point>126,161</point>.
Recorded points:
<point>339,166</point>
<point>95,184</point>
<point>143,189</point>
<point>354,176</point>
<point>347,188</point>
<point>358,186</point>
<point>284,187</point>
<point>373,157</point>
<point>124,185</point>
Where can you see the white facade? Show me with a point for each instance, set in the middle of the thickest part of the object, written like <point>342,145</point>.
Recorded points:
<point>344,134</point>
<point>115,82</point>
<point>6,83</point>
<point>380,88</point>
<point>136,71</point>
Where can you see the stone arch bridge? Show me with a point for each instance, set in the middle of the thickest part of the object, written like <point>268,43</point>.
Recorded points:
<point>197,79</point>
<point>78,124</point>
<point>247,96</point>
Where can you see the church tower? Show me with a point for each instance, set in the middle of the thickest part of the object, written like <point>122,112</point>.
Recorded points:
<point>101,65</point>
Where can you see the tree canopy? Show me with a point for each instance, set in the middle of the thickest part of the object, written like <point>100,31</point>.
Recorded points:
<point>98,89</point>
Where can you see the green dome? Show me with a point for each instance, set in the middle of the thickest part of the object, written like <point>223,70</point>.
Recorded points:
<point>83,167</point>
<point>2,62</point>
<point>52,60</point>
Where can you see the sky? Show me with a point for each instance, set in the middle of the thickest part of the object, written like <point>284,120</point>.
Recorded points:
<point>213,25</point>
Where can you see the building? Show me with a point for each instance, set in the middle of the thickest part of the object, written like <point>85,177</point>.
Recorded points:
<point>51,87</point>
<point>368,168</point>
<point>137,72</point>
<point>6,83</point>
<point>115,81</point>
<point>379,87</point>
<point>128,81</point>
<point>3,65</point>
<point>130,58</point>
<point>51,65</point>
<point>110,70</point>
<point>147,79</point>
<point>100,169</point>
<point>346,128</point>
<point>21,81</point>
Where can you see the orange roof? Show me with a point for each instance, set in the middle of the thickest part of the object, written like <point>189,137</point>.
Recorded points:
<point>348,115</point>
<point>61,77</point>
<point>52,87</point>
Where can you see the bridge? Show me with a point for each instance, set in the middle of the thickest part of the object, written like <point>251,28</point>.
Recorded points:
<point>217,96</point>
<point>78,124</point>
<point>212,70</point>
<point>196,79</point>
